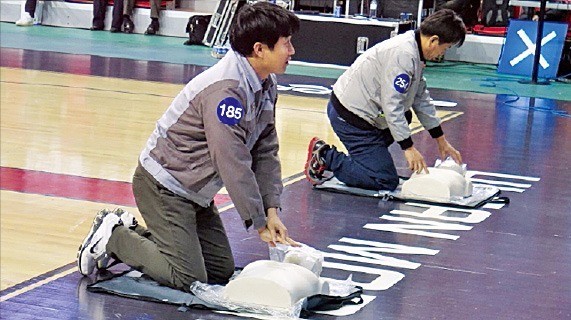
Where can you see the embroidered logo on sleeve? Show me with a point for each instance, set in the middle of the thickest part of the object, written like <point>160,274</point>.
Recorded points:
<point>402,82</point>
<point>230,111</point>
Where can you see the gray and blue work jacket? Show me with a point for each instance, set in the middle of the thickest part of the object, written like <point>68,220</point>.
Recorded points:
<point>220,131</point>
<point>387,81</point>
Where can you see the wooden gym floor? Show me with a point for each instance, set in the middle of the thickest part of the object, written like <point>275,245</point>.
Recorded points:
<point>72,127</point>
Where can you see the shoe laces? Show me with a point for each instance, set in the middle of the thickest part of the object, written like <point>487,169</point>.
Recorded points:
<point>102,235</point>
<point>317,166</point>
<point>127,219</point>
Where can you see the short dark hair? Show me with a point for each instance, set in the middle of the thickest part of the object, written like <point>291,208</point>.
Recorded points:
<point>445,24</point>
<point>261,22</point>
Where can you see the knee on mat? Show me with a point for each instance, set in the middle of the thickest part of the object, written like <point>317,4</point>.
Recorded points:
<point>219,276</point>
<point>183,282</point>
<point>390,184</point>
<point>222,275</point>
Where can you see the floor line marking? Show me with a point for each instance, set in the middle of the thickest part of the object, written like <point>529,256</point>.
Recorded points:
<point>37,284</point>
<point>34,285</point>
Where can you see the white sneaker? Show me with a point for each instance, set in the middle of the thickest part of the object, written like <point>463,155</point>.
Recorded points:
<point>26,20</point>
<point>128,219</point>
<point>93,247</point>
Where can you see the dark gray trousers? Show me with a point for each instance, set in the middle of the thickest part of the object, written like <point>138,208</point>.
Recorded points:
<point>184,242</point>
<point>129,5</point>
<point>30,7</point>
<point>99,10</point>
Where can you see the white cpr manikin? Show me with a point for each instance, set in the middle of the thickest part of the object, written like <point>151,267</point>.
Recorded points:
<point>445,182</point>
<point>273,284</point>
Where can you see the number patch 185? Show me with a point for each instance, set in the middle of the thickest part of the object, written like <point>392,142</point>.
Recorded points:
<point>230,111</point>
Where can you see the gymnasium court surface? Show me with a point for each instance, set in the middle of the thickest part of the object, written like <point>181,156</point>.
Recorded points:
<point>77,107</point>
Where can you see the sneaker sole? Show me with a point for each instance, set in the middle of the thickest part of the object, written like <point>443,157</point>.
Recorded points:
<point>83,270</point>
<point>308,160</point>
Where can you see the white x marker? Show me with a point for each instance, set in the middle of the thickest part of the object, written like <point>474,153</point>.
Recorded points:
<point>531,48</point>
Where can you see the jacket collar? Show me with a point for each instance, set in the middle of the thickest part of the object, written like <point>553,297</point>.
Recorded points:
<point>418,44</point>
<point>250,74</point>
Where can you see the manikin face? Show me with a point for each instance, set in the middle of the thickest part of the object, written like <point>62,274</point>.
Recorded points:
<point>276,60</point>
<point>434,49</point>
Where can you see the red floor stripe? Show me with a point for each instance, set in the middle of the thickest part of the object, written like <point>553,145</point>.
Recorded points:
<point>72,187</point>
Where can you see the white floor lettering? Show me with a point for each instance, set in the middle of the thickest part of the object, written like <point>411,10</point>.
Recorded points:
<point>414,226</point>
<point>437,212</point>
<point>385,279</point>
<point>501,183</point>
<point>367,251</point>
<point>472,173</point>
<point>371,258</point>
<point>389,247</point>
